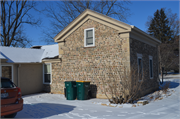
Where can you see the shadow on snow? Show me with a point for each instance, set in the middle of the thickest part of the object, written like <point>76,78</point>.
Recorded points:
<point>43,110</point>
<point>172,84</point>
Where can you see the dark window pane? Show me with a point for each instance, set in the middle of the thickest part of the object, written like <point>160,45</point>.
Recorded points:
<point>47,78</point>
<point>139,60</point>
<point>89,41</point>
<point>89,33</point>
<point>151,72</point>
<point>140,68</point>
<point>46,68</point>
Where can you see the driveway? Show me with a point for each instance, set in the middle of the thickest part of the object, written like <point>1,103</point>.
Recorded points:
<point>51,106</point>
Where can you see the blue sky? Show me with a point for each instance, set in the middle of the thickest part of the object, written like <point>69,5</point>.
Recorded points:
<point>140,10</point>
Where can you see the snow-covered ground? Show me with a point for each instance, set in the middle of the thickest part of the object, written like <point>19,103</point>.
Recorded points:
<point>50,106</point>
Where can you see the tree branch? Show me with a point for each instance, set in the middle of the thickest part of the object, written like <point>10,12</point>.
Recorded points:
<point>112,3</point>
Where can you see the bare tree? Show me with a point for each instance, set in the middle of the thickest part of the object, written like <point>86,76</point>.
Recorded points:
<point>62,13</point>
<point>174,22</point>
<point>13,15</point>
<point>169,55</point>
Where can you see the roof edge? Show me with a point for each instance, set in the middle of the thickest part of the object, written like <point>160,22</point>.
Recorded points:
<point>71,23</point>
<point>83,15</point>
<point>144,33</point>
<point>22,63</point>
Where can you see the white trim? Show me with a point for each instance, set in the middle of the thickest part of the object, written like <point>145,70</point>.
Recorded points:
<point>150,58</point>
<point>145,34</point>
<point>85,37</point>
<point>139,56</point>
<point>50,73</point>
<point>12,71</point>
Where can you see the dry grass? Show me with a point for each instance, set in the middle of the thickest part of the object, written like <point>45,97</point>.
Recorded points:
<point>133,105</point>
<point>169,94</point>
<point>157,95</point>
<point>160,98</point>
<point>104,104</point>
<point>151,97</point>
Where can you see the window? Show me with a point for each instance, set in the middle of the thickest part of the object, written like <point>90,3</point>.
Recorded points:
<point>140,66</point>
<point>47,73</point>
<point>6,70</point>
<point>151,67</point>
<point>89,39</point>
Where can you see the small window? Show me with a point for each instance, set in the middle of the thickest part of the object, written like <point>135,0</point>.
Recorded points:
<point>47,73</point>
<point>151,67</point>
<point>89,39</point>
<point>140,66</point>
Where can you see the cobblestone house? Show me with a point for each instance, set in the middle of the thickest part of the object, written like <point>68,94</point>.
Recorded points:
<point>113,48</point>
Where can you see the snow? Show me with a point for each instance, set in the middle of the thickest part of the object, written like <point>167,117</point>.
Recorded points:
<point>50,51</point>
<point>28,55</point>
<point>2,57</point>
<point>21,55</point>
<point>50,106</point>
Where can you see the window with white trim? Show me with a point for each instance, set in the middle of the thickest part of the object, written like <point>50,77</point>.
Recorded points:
<point>151,67</point>
<point>47,73</point>
<point>89,39</point>
<point>140,66</point>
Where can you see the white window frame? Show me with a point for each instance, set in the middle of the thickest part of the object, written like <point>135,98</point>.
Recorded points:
<point>150,58</point>
<point>139,56</point>
<point>50,74</point>
<point>85,37</point>
<point>11,70</point>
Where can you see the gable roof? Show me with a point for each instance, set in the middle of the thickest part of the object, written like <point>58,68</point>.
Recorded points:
<point>28,55</point>
<point>89,14</point>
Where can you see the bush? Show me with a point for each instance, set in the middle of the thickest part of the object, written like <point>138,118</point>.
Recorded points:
<point>124,85</point>
<point>165,87</point>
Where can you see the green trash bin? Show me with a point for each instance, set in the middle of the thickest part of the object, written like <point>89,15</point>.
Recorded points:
<point>71,90</point>
<point>82,89</point>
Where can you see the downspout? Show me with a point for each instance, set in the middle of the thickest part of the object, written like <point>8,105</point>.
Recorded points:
<point>18,76</point>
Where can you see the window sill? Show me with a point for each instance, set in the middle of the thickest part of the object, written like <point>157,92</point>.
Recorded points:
<point>47,83</point>
<point>90,47</point>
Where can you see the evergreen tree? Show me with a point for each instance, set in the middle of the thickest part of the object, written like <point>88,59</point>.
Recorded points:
<point>159,27</point>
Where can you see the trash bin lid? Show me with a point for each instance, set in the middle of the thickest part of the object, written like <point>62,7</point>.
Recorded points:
<point>83,81</point>
<point>69,81</point>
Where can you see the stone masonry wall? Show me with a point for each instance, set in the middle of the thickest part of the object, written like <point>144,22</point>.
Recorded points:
<point>137,46</point>
<point>80,63</point>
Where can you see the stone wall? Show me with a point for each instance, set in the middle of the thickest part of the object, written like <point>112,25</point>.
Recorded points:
<point>137,46</point>
<point>80,63</point>
<point>93,63</point>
